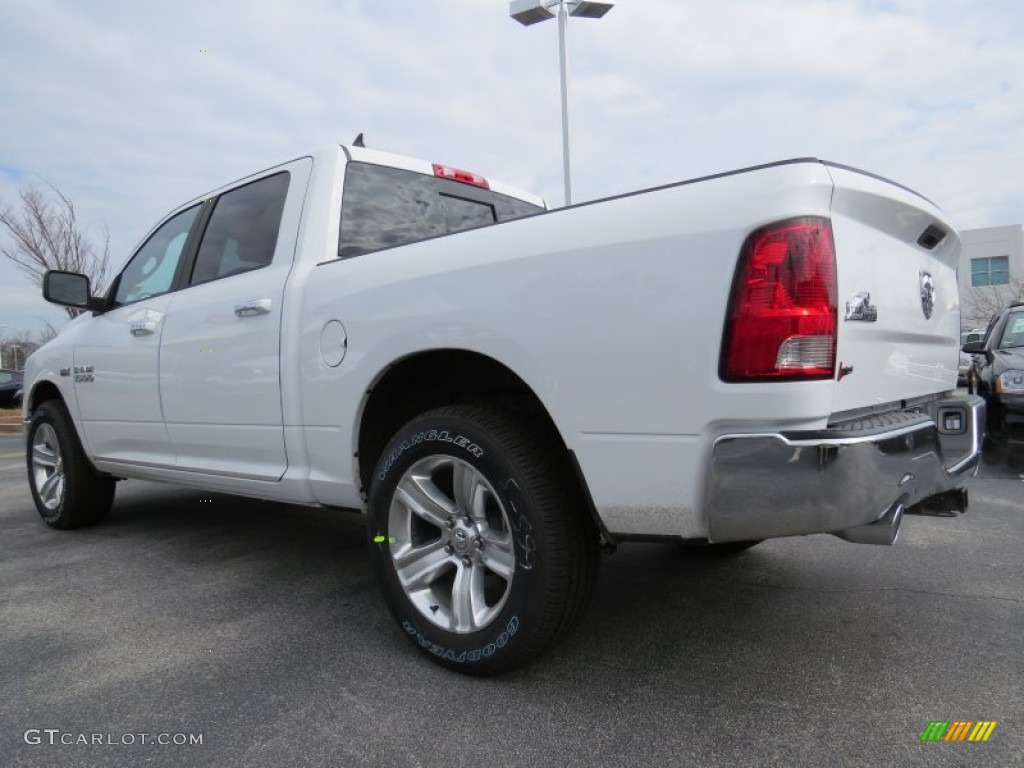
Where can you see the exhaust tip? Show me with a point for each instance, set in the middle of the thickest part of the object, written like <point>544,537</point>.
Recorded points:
<point>885,530</point>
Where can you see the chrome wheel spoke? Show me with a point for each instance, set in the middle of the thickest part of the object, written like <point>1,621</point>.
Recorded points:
<point>419,567</point>
<point>43,456</point>
<point>51,488</point>
<point>423,498</point>
<point>470,492</point>
<point>468,604</point>
<point>498,555</point>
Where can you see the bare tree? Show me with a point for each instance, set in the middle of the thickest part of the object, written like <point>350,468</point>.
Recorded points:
<point>48,333</point>
<point>44,233</point>
<point>981,304</point>
<point>14,350</point>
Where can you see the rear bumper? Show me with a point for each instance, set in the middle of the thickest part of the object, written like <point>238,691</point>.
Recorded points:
<point>853,480</point>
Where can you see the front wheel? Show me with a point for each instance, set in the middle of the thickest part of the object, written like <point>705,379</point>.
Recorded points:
<point>67,491</point>
<point>481,542</point>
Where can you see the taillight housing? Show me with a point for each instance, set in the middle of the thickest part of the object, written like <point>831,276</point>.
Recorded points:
<point>781,321</point>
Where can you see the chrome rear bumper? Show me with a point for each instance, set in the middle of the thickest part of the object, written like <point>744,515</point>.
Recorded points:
<point>855,480</point>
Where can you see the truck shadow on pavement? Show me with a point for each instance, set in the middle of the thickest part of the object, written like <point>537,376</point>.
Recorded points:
<point>657,609</point>
<point>252,621</point>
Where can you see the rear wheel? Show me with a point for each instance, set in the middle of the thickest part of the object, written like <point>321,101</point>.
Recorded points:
<point>67,491</point>
<point>483,547</point>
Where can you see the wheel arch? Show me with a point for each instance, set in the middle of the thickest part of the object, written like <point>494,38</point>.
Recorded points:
<point>435,378</point>
<point>42,391</point>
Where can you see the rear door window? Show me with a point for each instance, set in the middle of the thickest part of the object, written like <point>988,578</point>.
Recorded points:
<point>242,232</point>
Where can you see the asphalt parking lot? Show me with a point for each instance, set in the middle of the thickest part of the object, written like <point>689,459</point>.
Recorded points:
<point>258,627</point>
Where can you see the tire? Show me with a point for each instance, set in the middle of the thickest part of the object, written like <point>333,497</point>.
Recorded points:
<point>67,491</point>
<point>486,592</point>
<point>721,549</point>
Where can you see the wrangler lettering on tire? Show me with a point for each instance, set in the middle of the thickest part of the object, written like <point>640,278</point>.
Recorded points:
<point>480,540</point>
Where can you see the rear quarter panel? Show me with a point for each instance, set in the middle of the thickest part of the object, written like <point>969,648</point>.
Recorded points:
<point>612,313</point>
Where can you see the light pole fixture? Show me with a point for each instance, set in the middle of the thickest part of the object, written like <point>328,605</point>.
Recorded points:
<point>529,12</point>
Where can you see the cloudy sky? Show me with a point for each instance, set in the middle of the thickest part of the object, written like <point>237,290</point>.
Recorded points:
<point>132,108</point>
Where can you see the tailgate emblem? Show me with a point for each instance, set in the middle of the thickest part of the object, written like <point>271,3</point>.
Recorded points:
<point>860,308</point>
<point>927,293</point>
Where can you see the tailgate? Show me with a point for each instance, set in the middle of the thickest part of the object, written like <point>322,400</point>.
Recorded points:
<point>899,306</point>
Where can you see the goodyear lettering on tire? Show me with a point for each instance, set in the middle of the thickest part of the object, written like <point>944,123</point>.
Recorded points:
<point>463,657</point>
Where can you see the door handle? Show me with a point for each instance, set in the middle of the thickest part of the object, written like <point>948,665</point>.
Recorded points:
<point>144,328</point>
<point>253,308</point>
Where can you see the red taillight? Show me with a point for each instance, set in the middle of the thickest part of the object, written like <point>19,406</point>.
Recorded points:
<point>445,172</point>
<point>781,323</point>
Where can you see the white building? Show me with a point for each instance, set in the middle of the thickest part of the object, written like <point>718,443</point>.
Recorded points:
<point>991,271</point>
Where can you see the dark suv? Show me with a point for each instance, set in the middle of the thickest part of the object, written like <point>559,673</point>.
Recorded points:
<point>10,388</point>
<point>1000,366</point>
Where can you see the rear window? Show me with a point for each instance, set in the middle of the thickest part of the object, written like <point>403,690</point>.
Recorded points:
<point>386,207</point>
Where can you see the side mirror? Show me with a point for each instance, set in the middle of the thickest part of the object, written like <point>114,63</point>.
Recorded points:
<point>974,347</point>
<point>69,289</point>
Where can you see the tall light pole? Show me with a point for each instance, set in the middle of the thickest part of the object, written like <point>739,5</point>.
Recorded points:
<point>528,12</point>
<point>3,340</point>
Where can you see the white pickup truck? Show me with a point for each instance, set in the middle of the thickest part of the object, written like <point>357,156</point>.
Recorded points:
<point>502,389</point>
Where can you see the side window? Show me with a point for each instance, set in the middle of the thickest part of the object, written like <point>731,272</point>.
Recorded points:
<point>151,270</point>
<point>242,232</point>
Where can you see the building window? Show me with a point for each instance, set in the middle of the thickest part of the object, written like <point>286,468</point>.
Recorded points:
<point>992,271</point>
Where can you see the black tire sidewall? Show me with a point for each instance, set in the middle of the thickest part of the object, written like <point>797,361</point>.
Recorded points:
<point>87,495</point>
<point>508,636</point>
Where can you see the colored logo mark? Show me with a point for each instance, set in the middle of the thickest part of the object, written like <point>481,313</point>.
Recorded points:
<point>958,730</point>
